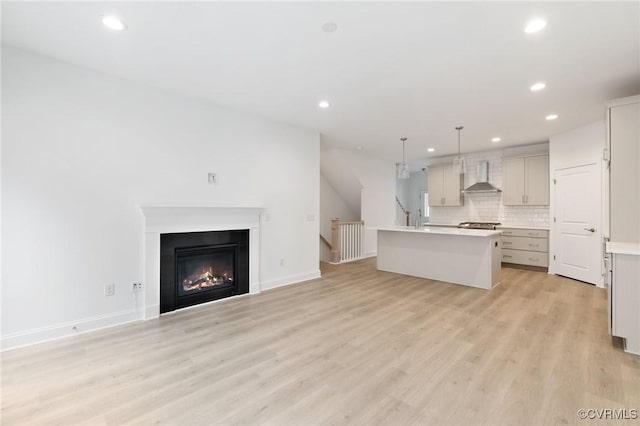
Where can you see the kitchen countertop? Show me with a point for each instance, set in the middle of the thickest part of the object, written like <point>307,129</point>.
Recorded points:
<point>537,228</point>
<point>440,230</point>
<point>623,248</point>
<point>502,226</point>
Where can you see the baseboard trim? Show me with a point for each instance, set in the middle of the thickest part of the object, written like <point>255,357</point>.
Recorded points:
<point>291,279</point>
<point>64,330</point>
<point>369,254</point>
<point>152,311</point>
<point>61,331</point>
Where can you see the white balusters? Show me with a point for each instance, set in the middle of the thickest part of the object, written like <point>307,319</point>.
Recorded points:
<point>350,236</point>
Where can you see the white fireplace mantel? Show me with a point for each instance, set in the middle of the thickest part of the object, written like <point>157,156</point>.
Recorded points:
<point>176,219</point>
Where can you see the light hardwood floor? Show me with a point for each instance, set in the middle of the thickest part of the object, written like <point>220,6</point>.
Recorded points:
<point>355,347</point>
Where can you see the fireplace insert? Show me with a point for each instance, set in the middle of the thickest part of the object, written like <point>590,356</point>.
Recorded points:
<point>198,267</point>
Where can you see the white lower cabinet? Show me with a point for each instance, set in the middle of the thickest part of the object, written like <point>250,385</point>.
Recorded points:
<point>624,296</point>
<point>525,247</point>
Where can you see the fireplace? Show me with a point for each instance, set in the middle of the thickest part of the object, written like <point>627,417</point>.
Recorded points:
<point>198,267</point>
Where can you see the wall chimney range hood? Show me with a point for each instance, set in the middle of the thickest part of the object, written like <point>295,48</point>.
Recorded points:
<point>482,184</point>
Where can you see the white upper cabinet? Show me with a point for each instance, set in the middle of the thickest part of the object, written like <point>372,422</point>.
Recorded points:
<point>624,171</point>
<point>526,181</point>
<point>513,182</point>
<point>445,186</point>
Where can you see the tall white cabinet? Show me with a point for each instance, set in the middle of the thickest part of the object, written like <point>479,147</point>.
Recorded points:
<point>526,181</point>
<point>444,186</point>
<point>623,140</point>
<point>623,119</point>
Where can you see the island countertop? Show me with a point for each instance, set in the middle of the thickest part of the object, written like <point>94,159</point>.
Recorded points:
<point>443,231</point>
<point>501,226</point>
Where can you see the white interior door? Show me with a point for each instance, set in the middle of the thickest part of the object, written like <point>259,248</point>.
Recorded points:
<point>577,236</point>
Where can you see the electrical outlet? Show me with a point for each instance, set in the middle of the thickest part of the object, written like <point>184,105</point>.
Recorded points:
<point>136,287</point>
<point>109,289</point>
<point>213,179</point>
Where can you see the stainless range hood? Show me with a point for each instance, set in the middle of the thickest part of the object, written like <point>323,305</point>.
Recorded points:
<point>482,184</point>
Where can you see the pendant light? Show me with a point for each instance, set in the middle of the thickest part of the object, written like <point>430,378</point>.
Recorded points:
<point>459,164</point>
<point>403,168</point>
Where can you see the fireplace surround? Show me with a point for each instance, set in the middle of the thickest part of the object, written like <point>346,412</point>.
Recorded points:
<point>159,220</point>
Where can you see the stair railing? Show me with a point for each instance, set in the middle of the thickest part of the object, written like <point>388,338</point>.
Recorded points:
<point>346,240</point>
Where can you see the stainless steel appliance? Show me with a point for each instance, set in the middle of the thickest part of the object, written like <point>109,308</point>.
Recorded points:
<point>478,225</point>
<point>482,176</point>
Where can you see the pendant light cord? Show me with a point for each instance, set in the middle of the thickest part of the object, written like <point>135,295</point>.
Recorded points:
<point>403,142</point>
<point>458,129</point>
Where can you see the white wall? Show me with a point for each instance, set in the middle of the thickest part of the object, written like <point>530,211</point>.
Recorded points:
<point>580,146</point>
<point>577,147</point>
<point>332,206</point>
<point>340,176</point>
<point>487,207</point>
<point>82,151</point>
<point>377,179</point>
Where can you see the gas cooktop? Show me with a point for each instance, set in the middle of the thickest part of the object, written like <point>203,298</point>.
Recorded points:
<point>478,225</point>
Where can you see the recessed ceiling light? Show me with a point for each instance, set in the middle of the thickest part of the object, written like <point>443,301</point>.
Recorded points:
<point>323,104</point>
<point>496,139</point>
<point>329,27</point>
<point>359,148</point>
<point>538,86</point>
<point>114,23</point>
<point>535,25</point>
<point>430,149</point>
<point>551,117</point>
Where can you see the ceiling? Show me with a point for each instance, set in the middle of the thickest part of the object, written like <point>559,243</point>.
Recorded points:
<point>390,70</point>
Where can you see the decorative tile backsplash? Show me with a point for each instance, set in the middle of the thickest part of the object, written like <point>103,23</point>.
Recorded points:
<point>487,207</point>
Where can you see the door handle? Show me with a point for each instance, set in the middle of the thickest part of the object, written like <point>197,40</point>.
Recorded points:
<point>590,229</point>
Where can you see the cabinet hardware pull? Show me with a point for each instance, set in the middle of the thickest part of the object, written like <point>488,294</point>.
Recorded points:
<point>534,245</point>
<point>526,199</point>
<point>522,198</point>
<point>533,234</point>
<point>534,260</point>
<point>506,255</point>
<point>507,242</point>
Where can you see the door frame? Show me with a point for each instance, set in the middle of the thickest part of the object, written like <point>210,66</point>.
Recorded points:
<point>554,234</point>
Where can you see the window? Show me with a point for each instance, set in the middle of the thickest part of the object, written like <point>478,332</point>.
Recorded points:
<point>425,204</point>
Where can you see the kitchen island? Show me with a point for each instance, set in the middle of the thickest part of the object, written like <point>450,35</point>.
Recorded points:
<point>461,256</point>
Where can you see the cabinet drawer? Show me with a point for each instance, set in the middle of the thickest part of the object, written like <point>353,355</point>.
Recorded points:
<point>525,243</point>
<point>523,257</point>
<point>533,233</point>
